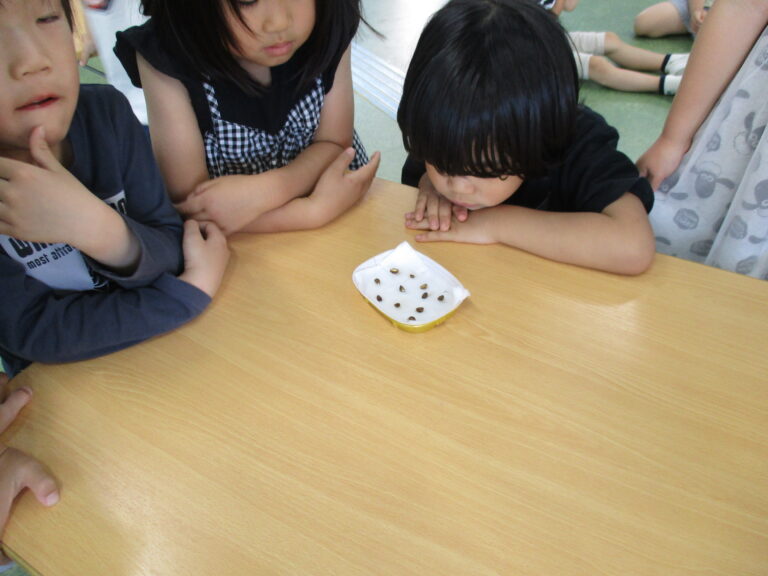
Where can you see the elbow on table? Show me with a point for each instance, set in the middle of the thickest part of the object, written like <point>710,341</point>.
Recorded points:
<point>636,257</point>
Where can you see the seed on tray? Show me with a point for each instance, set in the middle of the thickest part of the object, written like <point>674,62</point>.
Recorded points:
<point>441,297</point>
<point>419,309</point>
<point>425,296</point>
<point>394,270</point>
<point>378,298</point>
<point>402,289</point>
<point>423,286</point>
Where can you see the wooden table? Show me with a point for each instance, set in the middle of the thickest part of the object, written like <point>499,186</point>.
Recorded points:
<point>563,422</point>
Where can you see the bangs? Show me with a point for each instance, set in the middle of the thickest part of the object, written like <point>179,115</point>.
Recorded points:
<point>491,91</point>
<point>467,132</point>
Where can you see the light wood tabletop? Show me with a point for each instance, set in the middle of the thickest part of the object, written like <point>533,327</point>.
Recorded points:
<point>563,422</point>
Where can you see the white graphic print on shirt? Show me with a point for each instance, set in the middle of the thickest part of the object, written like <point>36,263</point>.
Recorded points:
<point>59,265</point>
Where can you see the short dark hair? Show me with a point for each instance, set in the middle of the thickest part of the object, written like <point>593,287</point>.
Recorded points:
<point>200,32</point>
<point>492,90</point>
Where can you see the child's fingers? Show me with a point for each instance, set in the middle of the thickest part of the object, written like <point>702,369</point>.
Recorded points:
<point>343,160</point>
<point>30,473</point>
<point>368,172</point>
<point>445,214</point>
<point>41,153</point>
<point>12,405</point>
<point>416,224</point>
<point>460,212</point>
<point>433,211</point>
<point>434,236</point>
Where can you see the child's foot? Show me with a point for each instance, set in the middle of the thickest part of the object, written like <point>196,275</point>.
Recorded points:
<point>674,64</point>
<point>669,84</point>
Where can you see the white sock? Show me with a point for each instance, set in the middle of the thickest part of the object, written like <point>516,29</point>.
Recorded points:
<point>674,64</point>
<point>669,84</point>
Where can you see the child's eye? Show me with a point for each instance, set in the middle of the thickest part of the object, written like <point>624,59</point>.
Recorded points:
<point>247,2</point>
<point>49,18</point>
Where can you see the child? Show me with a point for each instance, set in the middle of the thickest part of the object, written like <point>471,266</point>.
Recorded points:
<point>502,152</point>
<point>708,166</point>
<point>592,47</point>
<point>672,17</point>
<point>18,470</point>
<point>104,19</point>
<point>89,243</point>
<point>249,104</point>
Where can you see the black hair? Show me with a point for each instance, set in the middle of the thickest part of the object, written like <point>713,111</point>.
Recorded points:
<point>491,91</point>
<point>199,29</point>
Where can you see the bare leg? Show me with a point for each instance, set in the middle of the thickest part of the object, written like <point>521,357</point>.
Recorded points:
<point>629,56</point>
<point>604,72</point>
<point>661,19</point>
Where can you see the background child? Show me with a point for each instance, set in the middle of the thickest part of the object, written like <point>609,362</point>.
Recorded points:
<point>672,17</point>
<point>598,53</point>
<point>708,166</point>
<point>89,243</point>
<point>501,150</point>
<point>19,471</point>
<point>249,104</point>
<point>104,19</point>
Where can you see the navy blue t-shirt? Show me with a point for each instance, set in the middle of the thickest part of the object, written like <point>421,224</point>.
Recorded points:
<point>59,305</point>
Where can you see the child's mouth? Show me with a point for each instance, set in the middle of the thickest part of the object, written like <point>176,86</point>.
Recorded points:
<point>38,103</point>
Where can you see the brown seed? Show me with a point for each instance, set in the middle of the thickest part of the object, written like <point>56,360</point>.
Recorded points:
<point>411,318</point>
<point>394,270</point>
<point>377,281</point>
<point>423,286</point>
<point>397,304</point>
<point>441,297</point>
<point>419,309</point>
<point>424,296</point>
<point>411,275</point>
<point>402,289</point>
<point>378,298</point>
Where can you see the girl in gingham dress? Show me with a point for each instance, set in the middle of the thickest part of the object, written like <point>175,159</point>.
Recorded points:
<point>251,108</point>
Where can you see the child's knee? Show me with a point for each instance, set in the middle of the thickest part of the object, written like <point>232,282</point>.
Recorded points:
<point>599,68</point>
<point>611,42</point>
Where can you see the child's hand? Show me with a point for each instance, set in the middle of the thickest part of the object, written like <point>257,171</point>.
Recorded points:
<point>17,469</point>
<point>230,202</point>
<point>44,202</point>
<point>477,228</point>
<point>438,210</point>
<point>660,161</point>
<point>338,188</point>
<point>205,256</point>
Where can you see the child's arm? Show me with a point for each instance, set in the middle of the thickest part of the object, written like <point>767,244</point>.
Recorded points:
<point>337,190</point>
<point>17,469</point>
<point>40,325</point>
<point>45,203</point>
<point>718,53</point>
<point>234,201</point>
<point>618,240</point>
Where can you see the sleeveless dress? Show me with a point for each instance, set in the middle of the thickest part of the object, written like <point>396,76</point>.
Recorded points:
<point>242,133</point>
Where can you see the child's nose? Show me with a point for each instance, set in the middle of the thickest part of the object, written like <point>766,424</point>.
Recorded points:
<point>277,17</point>
<point>460,185</point>
<point>27,57</point>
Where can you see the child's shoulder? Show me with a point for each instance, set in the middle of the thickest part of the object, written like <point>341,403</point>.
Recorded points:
<point>591,126</point>
<point>102,101</point>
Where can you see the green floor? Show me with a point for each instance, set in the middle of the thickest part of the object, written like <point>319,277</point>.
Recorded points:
<point>638,117</point>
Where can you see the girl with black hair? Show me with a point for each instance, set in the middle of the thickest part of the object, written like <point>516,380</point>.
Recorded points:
<point>501,150</point>
<point>251,108</point>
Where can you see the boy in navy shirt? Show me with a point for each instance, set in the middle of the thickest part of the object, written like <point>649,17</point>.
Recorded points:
<point>90,245</point>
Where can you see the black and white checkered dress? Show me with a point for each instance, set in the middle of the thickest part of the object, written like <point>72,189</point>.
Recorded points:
<point>232,148</point>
